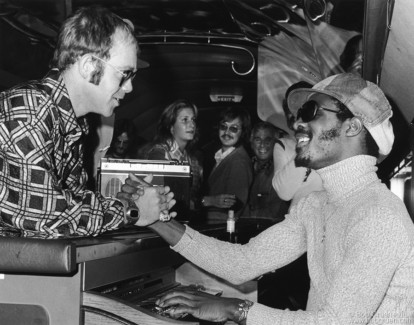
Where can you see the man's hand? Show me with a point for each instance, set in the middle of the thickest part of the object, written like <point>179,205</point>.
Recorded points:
<point>225,201</point>
<point>152,201</point>
<point>199,304</point>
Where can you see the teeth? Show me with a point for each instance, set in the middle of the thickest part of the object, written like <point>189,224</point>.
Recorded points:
<point>305,139</point>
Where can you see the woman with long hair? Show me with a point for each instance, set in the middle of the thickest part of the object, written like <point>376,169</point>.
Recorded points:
<point>175,141</point>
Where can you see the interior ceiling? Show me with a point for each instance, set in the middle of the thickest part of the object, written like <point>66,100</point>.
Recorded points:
<point>194,47</point>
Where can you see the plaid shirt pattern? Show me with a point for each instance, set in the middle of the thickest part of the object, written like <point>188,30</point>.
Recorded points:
<point>42,180</point>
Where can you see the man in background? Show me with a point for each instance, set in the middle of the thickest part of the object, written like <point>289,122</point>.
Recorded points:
<point>264,204</point>
<point>229,182</point>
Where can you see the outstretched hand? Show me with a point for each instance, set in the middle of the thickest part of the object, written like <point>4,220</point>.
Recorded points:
<point>199,304</point>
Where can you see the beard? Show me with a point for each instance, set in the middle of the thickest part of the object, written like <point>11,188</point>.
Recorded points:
<point>303,155</point>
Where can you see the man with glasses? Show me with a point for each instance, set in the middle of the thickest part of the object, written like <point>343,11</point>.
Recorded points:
<point>229,182</point>
<point>43,126</point>
<point>358,236</point>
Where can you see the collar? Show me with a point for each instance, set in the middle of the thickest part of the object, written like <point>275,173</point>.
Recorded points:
<point>175,151</point>
<point>54,85</point>
<point>348,176</point>
<point>220,155</point>
<point>259,166</point>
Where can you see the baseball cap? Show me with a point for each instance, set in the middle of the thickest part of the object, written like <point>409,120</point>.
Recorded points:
<point>363,98</point>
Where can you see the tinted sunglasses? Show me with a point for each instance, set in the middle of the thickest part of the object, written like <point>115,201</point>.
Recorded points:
<point>231,128</point>
<point>126,75</point>
<point>309,109</point>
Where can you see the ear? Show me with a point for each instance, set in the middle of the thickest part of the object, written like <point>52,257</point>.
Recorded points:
<point>354,126</point>
<point>86,66</point>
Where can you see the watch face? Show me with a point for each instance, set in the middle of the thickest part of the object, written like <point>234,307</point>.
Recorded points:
<point>132,214</point>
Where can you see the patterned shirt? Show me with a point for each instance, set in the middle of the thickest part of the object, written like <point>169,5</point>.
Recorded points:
<point>42,179</point>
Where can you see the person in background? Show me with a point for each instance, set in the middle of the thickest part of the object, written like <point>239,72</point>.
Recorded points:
<point>176,140</point>
<point>291,182</point>
<point>264,204</point>
<point>229,182</point>
<point>122,144</point>
<point>43,126</point>
<point>358,235</point>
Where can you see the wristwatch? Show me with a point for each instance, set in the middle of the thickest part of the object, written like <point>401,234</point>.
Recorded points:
<point>132,212</point>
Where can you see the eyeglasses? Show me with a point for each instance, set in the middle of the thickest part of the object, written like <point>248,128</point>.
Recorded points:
<point>231,128</point>
<point>266,142</point>
<point>309,109</point>
<point>126,75</point>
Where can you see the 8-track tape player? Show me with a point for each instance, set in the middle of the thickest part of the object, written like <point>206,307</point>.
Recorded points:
<point>113,172</point>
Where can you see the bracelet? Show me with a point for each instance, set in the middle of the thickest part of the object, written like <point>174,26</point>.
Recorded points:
<point>243,310</point>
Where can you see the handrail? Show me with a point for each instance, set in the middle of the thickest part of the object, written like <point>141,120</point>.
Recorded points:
<point>233,63</point>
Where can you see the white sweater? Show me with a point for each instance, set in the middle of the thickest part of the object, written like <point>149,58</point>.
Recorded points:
<point>359,242</point>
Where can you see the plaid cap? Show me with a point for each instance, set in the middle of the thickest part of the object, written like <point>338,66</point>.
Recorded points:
<point>363,98</point>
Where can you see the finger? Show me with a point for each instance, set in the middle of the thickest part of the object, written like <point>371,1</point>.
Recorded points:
<point>123,196</point>
<point>128,189</point>
<point>176,298</point>
<point>131,182</point>
<point>149,178</point>
<point>140,192</point>
<point>169,196</point>
<point>171,204</point>
<point>181,311</point>
<point>140,181</point>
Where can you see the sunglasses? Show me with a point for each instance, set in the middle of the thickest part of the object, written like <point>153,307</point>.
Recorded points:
<point>309,109</point>
<point>126,75</point>
<point>231,128</point>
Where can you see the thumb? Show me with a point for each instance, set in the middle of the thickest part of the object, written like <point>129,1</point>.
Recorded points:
<point>149,178</point>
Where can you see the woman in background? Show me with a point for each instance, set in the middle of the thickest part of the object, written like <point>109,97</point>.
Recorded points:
<point>175,141</point>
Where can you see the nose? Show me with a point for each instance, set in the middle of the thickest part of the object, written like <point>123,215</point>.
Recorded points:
<point>127,86</point>
<point>298,122</point>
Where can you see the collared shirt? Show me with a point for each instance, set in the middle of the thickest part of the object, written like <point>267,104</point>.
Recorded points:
<point>42,179</point>
<point>176,153</point>
<point>220,155</point>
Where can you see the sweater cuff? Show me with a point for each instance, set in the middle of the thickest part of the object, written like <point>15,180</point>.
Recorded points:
<point>186,240</point>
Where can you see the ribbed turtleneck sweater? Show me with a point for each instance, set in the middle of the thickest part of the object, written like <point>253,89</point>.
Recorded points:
<point>359,241</point>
